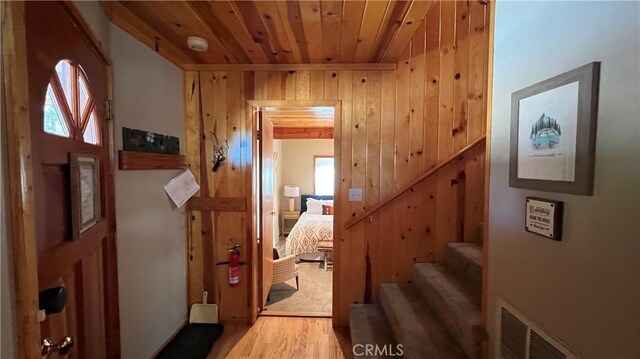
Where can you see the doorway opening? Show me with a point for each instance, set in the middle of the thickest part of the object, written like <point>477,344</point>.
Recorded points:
<point>296,182</point>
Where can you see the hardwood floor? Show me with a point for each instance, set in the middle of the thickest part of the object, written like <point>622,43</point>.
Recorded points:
<point>284,337</point>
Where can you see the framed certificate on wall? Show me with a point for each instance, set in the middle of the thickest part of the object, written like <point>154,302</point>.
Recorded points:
<point>85,192</point>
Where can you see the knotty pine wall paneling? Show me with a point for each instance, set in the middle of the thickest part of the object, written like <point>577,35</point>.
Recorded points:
<point>216,104</point>
<point>437,108</point>
<point>393,126</point>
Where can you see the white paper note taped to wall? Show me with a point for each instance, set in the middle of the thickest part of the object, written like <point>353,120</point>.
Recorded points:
<point>182,187</point>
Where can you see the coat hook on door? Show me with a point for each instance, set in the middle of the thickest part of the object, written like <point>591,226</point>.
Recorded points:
<point>219,156</point>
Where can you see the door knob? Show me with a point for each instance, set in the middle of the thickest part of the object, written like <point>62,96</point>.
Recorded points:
<point>48,346</point>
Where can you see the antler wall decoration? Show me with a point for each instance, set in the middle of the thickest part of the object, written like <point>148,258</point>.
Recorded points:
<point>219,156</point>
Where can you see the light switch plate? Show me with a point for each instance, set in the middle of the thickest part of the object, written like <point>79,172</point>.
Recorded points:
<point>355,194</point>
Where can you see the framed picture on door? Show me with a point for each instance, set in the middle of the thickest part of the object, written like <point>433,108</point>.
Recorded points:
<point>85,192</point>
<point>553,133</point>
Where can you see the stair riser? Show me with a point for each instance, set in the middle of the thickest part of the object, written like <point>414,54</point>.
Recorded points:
<point>369,326</point>
<point>464,268</point>
<point>396,327</point>
<point>417,328</point>
<point>460,326</point>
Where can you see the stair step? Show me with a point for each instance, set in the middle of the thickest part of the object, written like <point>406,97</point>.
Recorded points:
<point>415,326</point>
<point>369,325</point>
<point>465,260</point>
<point>455,303</point>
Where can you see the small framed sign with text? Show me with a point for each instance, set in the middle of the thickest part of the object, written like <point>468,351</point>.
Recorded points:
<point>543,217</point>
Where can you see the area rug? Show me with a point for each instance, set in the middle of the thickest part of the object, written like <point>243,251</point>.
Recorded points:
<point>194,341</point>
<point>314,295</point>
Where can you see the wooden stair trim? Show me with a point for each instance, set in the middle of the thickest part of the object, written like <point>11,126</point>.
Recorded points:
<point>373,209</point>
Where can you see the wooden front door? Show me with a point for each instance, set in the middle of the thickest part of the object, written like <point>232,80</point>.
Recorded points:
<point>74,205</point>
<point>267,217</point>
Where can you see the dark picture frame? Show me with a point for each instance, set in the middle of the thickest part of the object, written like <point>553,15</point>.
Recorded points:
<point>556,215</point>
<point>588,79</point>
<point>150,142</point>
<point>85,192</point>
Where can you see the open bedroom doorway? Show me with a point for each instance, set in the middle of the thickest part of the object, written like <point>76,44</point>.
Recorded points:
<point>296,182</point>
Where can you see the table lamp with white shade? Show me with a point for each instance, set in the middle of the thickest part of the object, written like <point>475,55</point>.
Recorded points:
<point>292,192</point>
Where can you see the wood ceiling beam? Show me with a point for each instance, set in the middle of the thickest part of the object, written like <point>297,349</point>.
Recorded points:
<point>301,119</point>
<point>134,26</point>
<point>301,123</point>
<point>292,67</point>
<point>293,103</point>
<point>281,133</point>
<point>298,114</point>
<point>410,23</point>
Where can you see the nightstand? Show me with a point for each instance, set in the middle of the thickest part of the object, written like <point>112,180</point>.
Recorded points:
<point>289,219</point>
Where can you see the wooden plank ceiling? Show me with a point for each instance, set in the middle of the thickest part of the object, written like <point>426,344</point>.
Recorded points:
<point>299,117</point>
<point>273,32</point>
<point>300,122</point>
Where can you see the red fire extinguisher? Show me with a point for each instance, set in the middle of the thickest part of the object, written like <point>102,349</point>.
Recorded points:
<point>234,266</point>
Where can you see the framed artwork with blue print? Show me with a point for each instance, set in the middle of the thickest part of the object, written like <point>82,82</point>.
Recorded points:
<point>553,133</point>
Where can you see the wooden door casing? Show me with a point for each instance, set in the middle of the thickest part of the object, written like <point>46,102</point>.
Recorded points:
<point>84,266</point>
<point>266,193</point>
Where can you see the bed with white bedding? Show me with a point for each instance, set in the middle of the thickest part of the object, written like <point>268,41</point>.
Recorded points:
<point>307,232</point>
<point>312,227</point>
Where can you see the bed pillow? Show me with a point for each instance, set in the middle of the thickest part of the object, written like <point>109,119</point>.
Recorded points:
<point>327,210</point>
<point>314,206</point>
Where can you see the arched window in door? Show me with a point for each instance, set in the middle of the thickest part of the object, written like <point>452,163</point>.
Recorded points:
<point>69,107</point>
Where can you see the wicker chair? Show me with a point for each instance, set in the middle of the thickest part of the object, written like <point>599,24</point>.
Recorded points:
<point>285,269</point>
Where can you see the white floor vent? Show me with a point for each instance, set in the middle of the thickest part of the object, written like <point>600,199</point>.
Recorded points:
<point>519,338</point>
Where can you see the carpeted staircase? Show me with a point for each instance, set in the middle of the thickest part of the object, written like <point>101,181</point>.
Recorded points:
<point>437,315</point>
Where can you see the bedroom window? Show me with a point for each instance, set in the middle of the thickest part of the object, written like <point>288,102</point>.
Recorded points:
<point>69,107</point>
<point>323,175</point>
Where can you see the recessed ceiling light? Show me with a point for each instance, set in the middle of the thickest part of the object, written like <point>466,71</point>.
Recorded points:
<point>196,43</point>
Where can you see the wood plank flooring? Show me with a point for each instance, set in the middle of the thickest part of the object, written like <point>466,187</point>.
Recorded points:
<point>284,337</point>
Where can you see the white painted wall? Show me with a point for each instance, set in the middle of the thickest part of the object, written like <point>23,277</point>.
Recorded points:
<point>151,235</point>
<point>584,290</point>
<point>298,166</point>
<point>150,231</point>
